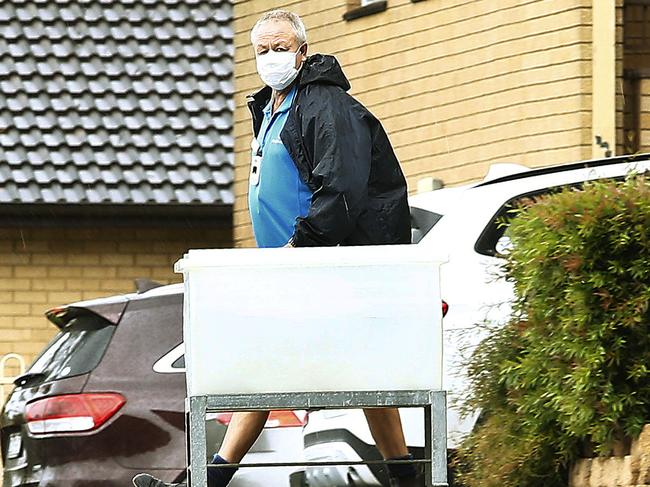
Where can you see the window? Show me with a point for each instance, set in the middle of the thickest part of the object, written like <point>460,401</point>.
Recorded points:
<point>76,350</point>
<point>494,241</point>
<point>421,222</point>
<point>361,8</point>
<point>172,362</point>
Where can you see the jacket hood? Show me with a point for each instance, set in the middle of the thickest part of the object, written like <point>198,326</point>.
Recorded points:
<point>324,69</point>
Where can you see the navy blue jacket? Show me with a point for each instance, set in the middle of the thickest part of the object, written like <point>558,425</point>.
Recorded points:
<point>343,154</point>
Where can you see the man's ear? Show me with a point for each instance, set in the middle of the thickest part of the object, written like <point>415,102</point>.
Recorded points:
<point>303,54</point>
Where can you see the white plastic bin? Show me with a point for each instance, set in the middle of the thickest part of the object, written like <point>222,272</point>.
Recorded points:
<point>311,319</point>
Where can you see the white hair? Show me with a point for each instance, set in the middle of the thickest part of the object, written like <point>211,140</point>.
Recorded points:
<point>294,20</point>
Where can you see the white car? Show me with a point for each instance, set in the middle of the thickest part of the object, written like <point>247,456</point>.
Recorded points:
<point>462,223</point>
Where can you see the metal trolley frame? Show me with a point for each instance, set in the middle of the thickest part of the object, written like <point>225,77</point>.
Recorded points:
<point>433,402</point>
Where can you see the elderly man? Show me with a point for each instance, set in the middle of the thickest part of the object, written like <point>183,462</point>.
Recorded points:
<point>322,173</point>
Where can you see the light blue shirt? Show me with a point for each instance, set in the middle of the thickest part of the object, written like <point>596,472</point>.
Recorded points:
<point>279,195</point>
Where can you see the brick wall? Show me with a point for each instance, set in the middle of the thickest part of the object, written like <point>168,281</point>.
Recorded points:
<point>42,268</point>
<point>458,84</point>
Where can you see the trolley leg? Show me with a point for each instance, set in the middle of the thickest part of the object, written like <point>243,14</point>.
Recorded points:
<point>437,437</point>
<point>197,443</point>
<point>428,475</point>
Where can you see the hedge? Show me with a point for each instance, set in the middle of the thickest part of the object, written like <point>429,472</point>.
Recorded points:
<point>568,374</point>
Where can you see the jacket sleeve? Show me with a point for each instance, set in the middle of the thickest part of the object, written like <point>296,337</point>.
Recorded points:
<point>339,139</point>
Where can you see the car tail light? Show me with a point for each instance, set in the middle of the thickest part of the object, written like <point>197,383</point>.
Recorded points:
<point>277,419</point>
<point>445,308</point>
<point>72,413</point>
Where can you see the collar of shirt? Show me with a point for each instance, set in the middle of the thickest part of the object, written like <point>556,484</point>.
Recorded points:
<point>286,103</point>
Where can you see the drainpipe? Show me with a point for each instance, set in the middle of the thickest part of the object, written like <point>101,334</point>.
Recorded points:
<point>603,113</point>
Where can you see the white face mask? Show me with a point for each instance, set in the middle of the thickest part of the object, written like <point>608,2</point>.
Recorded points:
<point>277,68</point>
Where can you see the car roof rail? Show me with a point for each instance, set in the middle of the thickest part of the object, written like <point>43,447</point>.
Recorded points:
<point>568,167</point>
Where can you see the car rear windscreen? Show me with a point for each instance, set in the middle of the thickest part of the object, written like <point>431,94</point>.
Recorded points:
<point>77,349</point>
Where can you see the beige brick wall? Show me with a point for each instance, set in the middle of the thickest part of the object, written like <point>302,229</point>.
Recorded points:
<point>458,84</point>
<point>43,268</point>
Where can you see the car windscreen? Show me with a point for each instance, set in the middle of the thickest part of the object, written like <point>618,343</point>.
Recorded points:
<point>422,221</point>
<point>77,349</point>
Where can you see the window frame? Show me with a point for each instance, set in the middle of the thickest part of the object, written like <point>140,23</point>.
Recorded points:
<point>357,10</point>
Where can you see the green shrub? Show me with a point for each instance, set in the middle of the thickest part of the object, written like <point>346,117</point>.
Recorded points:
<point>570,370</point>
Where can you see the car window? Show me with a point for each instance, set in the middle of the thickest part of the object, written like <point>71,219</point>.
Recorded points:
<point>493,241</point>
<point>179,363</point>
<point>422,221</point>
<point>77,349</point>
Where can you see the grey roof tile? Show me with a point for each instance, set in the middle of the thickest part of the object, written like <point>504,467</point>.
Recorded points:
<point>46,121</point>
<point>157,175</point>
<point>12,155</point>
<point>106,104</point>
<point>9,193</point>
<point>200,177</point>
<point>25,67</point>
<point>25,121</point>
<point>8,139</point>
<point>227,196</point>
<point>109,176</point>
<point>64,176</point>
<point>70,12</point>
<point>41,49</point>
<point>132,176</point>
<point>11,31</point>
<point>156,121</point>
<point>98,31</point>
<point>71,195</point>
<point>134,122</point>
<point>78,158</point>
<point>32,86</point>
<point>9,86</point>
<point>139,196</point>
<point>61,157</point>
<point>27,194</point>
<point>5,175</point>
<point>116,101</point>
<point>206,195</point>
<point>29,139</point>
<point>37,156</point>
<point>44,175</point>
<point>23,175</point>
<point>164,194</point>
<point>93,12</point>
<point>52,139</point>
<point>136,14</point>
<point>146,32</point>
<point>52,195</point>
<point>149,159</point>
<point>105,157</point>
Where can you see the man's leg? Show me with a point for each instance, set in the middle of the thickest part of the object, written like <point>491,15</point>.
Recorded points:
<point>386,428</point>
<point>243,430</point>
